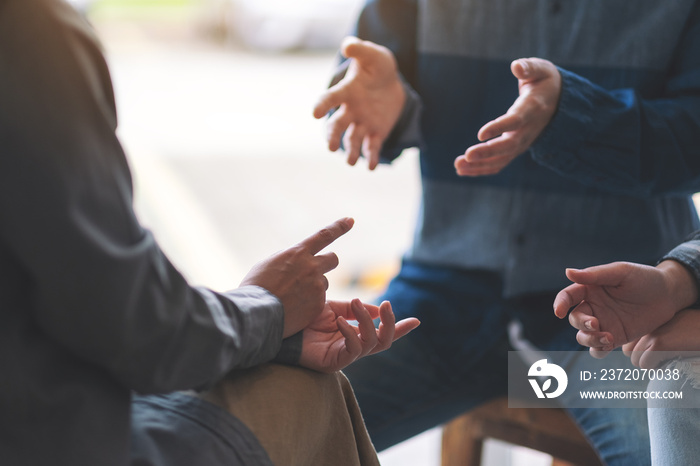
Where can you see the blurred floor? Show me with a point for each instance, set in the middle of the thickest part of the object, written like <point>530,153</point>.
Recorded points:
<point>230,167</point>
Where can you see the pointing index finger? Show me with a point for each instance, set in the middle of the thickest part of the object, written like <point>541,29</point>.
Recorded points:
<point>324,237</point>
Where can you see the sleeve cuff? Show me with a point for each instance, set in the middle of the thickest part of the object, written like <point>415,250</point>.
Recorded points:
<point>688,255</point>
<point>406,132</point>
<point>290,351</point>
<point>257,324</point>
<point>569,127</point>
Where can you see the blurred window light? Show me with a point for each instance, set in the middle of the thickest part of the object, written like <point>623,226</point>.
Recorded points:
<point>278,25</point>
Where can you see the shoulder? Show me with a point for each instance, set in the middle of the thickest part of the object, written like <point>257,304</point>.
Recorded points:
<point>51,59</point>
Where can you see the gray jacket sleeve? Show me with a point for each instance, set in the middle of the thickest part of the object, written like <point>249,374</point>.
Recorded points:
<point>688,254</point>
<point>100,285</point>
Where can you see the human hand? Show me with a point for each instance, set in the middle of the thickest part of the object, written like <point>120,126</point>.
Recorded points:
<point>370,98</point>
<point>296,276</point>
<point>619,302</point>
<point>509,135</point>
<point>329,343</point>
<point>678,337</point>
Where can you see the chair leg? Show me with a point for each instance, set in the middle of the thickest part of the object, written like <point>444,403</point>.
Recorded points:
<point>460,447</point>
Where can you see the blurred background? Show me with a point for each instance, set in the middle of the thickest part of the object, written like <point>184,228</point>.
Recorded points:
<point>214,100</point>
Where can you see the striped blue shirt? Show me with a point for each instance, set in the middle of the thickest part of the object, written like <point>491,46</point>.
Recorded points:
<point>611,176</point>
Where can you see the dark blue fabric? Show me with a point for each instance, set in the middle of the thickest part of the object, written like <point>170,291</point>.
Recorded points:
<point>622,149</point>
<point>458,359</point>
<point>182,430</point>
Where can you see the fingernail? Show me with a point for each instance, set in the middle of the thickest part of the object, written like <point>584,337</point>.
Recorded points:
<point>605,341</point>
<point>588,325</point>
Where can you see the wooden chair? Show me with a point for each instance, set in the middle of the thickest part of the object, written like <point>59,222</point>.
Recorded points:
<point>548,430</point>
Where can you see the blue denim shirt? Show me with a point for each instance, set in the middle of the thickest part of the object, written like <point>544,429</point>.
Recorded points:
<point>609,179</point>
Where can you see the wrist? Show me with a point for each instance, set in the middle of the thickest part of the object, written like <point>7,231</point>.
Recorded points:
<point>680,283</point>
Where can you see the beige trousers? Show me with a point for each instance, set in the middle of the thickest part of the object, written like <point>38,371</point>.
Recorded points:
<point>301,417</point>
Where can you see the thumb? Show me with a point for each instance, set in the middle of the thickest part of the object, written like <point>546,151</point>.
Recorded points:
<point>531,69</point>
<point>363,51</point>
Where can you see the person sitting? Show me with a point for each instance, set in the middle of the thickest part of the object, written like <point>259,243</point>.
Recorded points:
<point>653,314</point>
<point>93,311</point>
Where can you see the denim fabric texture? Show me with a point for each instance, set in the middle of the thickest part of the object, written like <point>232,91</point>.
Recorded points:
<point>673,431</point>
<point>609,179</point>
<point>458,359</point>
<point>182,430</point>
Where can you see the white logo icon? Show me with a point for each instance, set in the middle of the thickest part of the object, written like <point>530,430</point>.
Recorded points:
<point>543,369</point>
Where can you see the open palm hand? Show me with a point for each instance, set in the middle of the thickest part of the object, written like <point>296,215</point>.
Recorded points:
<point>330,343</point>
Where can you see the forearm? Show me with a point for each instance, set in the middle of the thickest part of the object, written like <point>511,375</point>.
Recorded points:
<point>622,143</point>
<point>199,341</point>
<point>134,315</point>
<point>638,132</point>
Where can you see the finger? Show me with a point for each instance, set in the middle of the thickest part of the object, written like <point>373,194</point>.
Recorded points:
<point>385,334</point>
<point>492,167</point>
<point>344,309</point>
<point>507,145</point>
<point>532,69</point>
<point>353,345</point>
<point>495,161</point>
<point>638,350</point>
<point>582,318</point>
<point>502,124</point>
<point>327,262</point>
<point>635,356</point>
<point>372,147</point>
<point>600,340</point>
<point>332,98</point>
<point>599,353</point>
<point>368,334</point>
<point>365,52</point>
<point>337,125</point>
<point>607,274</point>
<point>405,326</point>
<point>322,238</point>
<point>353,142</point>
<point>652,359</point>
<point>568,298</point>
<point>628,347</point>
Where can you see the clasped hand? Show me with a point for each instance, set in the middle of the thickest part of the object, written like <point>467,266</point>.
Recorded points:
<point>638,307</point>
